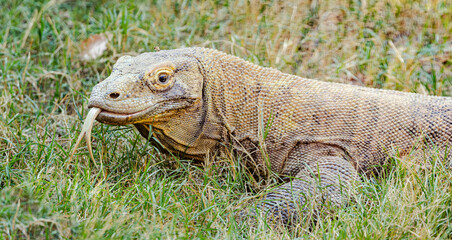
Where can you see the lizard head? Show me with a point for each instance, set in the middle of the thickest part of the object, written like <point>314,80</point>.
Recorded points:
<point>147,88</point>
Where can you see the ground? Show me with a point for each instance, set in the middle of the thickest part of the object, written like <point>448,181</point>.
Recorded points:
<point>136,192</point>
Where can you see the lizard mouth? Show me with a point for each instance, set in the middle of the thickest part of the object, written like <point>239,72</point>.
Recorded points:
<point>152,113</point>
<point>114,118</point>
<point>109,117</point>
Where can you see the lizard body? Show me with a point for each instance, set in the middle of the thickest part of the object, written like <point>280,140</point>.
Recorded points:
<point>201,102</point>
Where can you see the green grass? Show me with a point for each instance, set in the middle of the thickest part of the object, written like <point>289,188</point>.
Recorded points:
<point>137,192</point>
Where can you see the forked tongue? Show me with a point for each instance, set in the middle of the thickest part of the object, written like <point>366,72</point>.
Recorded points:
<point>86,132</point>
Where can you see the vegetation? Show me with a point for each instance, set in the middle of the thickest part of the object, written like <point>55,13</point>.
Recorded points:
<point>135,192</point>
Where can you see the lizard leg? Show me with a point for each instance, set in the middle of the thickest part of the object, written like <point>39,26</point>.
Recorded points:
<point>326,180</point>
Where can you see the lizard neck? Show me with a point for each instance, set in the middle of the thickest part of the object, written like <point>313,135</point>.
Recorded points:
<point>231,90</point>
<point>238,94</point>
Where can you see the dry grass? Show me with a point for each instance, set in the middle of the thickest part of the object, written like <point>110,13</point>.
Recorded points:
<point>44,86</point>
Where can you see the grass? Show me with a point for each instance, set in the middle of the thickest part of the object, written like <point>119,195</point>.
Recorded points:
<point>137,192</point>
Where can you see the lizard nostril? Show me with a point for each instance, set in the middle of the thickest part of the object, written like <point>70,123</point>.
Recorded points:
<point>114,95</point>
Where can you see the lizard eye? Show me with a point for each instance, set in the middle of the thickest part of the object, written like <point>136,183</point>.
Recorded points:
<point>160,78</point>
<point>163,78</point>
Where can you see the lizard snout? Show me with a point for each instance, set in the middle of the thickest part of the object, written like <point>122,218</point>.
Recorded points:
<point>109,93</point>
<point>119,95</point>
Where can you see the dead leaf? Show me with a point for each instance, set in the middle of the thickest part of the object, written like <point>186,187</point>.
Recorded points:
<point>93,47</point>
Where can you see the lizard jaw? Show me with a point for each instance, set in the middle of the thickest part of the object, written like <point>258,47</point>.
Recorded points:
<point>114,118</point>
<point>150,114</point>
<point>119,118</point>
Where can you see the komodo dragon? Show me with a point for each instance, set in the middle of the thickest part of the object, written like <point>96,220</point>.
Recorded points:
<point>201,102</point>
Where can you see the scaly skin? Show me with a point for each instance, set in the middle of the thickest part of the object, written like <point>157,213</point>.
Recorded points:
<point>319,133</point>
